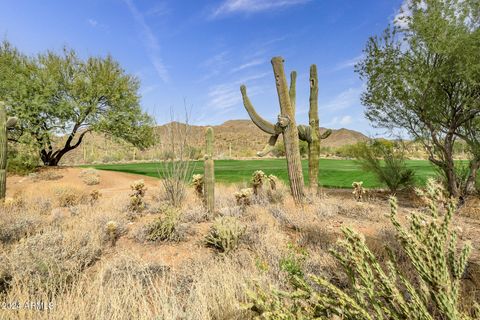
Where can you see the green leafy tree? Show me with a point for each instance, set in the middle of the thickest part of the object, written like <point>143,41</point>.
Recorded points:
<point>422,76</point>
<point>61,97</point>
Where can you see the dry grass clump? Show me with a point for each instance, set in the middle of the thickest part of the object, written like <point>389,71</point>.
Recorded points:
<point>68,196</point>
<point>90,176</point>
<point>225,234</point>
<point>46,175</point>
<point>52,260</point>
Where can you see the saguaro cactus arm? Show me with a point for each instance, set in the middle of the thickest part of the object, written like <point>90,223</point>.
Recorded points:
<point>263,124</point>
<point>326,134</point>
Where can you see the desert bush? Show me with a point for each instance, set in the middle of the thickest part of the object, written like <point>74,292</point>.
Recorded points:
<point>68,196</point>
<point>22,162</point>
<point>52,260</point>
<point>378,292</point>
<point>46,175</point>
<point>14,228</point>
<point>386,162</point>
<point>90,177</point>
<point>164,228</point>
<point>225,234</point>
<point>137,202</point>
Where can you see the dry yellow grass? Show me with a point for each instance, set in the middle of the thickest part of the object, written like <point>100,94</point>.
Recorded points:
<point>58,251</point>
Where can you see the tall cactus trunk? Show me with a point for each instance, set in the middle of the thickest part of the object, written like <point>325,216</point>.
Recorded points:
<point>3,151</point>
<point>314,144</point>
<point>209,174</point>
<point>290,132</point>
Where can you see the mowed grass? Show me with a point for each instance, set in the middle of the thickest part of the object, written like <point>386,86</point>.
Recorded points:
<point>333,173</point>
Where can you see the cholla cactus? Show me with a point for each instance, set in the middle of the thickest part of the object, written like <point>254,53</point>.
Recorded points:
<point>273,180</point>
<point>382,292</point>
<point>358,190</point>
<point>112,232</point>
<point>244,197</point>
<point>225,234</point>
<point>197,182</point>
<point>137,202</point>
<point>258,178</point>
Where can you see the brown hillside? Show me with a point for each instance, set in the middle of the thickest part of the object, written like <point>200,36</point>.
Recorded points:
<point>234,138</point>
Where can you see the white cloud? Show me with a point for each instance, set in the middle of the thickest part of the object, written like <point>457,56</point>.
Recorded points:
<point>350,63</point>
<point>252,6</point>
<point>343,100</point>
<point>345,121</point>
<point>150,41</point>
<point>249,64</point>
<point>224,97</point>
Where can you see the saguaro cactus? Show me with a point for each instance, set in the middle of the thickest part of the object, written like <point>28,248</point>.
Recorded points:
<point>285,125</point>
<point>310,134</point>
<point>209,176</point>
<point>5,124</point>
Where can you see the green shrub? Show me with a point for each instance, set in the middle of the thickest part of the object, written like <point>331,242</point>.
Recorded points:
<point>380,291</point>
<point>225,234</point>
<point>387,162</point>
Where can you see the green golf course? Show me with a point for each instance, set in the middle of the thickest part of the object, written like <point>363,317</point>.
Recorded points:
<point>333,173</point>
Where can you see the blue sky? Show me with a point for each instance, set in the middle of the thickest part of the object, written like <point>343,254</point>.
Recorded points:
<point>200,52</point>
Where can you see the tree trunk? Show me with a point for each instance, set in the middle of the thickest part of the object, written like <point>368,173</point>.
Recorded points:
<point>290,133</point>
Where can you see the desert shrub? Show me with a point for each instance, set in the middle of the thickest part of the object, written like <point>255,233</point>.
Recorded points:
<point>293,262</point>
<point>386,162</point>
<point>22,162</point>
<point>94,196</point>
<point>68,196</point>
<point>47,175</point>
<point>164,228</point>
<point>15,228</point>
<point>378,292</point>
<point>225,234</point>
<point>90,177</point>
<point>137,202</point>
<point>52,260</point>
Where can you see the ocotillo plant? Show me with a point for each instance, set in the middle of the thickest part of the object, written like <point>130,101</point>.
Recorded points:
<point>286,125</point>
<point>209,176</point>
<point>4,125</point>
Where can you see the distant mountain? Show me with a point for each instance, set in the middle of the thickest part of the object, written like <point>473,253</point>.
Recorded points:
<point>234,138</point>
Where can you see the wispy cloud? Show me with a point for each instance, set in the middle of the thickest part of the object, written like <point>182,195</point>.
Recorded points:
<point>344,100</point>
<point>252,6</point>
<point>214,65</point>
<point>224,97</point>
<point>348,64</point>
<point>248,64</point>
<point>339,121</point>
<point>92,22</point>
<point>149,40</point>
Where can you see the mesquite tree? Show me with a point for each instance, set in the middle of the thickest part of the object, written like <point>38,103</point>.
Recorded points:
<point>5,124</point>
<point>61,97</point>
<point>423,76</point>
